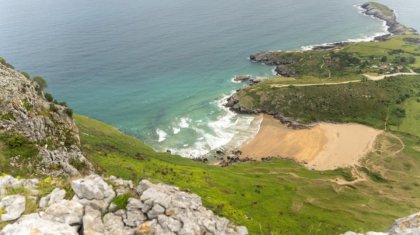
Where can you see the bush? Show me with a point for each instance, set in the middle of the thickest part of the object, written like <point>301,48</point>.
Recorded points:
<point>53,108</point>
<point>42,84</point>
<point>18,145</point>
<point>26,75</point>
<point>69,112</point>
<point>49,97</point>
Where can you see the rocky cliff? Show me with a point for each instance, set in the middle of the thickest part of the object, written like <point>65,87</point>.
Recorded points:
<point>25,112</point>
<point>94,205</point>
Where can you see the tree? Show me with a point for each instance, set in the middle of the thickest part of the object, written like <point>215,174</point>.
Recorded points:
<point>41,82</point>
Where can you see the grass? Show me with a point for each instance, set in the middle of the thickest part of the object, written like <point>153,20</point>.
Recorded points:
<point>349,62</point>
<point>384,9</point>
<point>410,123</point>
<point>275,197</point>
<point>375,103</point>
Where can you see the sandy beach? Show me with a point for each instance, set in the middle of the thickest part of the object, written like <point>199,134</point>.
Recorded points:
<point>324,147</point>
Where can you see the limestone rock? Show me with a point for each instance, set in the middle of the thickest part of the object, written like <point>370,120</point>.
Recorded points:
<point>92,187</point>
<point>407,225</point>
<point>34,225</point>
<point>27,114</point>
<point>115,226</point>
<point>55,196</point>
<point>13,206</point>
<point>65,211</point>
<point>92,222</point>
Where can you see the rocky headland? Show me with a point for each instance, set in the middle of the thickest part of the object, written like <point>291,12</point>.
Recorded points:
<point>377,10</point>
<point>388,15</point>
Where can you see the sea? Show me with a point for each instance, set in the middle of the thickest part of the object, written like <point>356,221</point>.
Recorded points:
<point>160,69</point>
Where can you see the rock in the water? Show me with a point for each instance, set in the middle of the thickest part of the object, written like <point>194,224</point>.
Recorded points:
<point>34,225</point>
<point>92,222</point>
<point>55,196</point>
<point>13,207</point>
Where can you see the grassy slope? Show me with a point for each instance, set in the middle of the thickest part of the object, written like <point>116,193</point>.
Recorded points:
<point>411,123</point>
<point>376,103</point>
<point>279,196</point>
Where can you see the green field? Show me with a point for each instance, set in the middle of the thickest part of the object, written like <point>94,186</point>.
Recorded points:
<point>278,196</point>
<point>411,121</point>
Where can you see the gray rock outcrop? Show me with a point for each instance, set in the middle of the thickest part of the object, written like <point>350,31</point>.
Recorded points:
<point>150,209</point>
<point>25,111</point>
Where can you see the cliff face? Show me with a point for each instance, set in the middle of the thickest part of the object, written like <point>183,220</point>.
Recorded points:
<point>24,111</point>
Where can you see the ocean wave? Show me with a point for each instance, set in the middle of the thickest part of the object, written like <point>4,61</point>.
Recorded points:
<point>176,130</point>
<point>161,135</point>
<point>184,122</point>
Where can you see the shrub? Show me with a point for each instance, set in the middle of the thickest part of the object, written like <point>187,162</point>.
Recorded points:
<point>7,116</point>
<point>69,112</point>
<point>26,75</point>
<point>53,108</point>
<point>18,145</point>
<point>49,97</point>
<point>27,105</point>
<point>42,84</point>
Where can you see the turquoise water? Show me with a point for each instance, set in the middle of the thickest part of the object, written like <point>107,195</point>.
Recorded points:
<point>157,69</point>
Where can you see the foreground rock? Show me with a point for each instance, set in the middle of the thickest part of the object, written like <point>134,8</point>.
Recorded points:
<point>409,225</point>
<point>13,207</point>
<point>149,209</point>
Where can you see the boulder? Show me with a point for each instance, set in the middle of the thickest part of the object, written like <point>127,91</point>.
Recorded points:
<point>35,225</point>
<point>92,222</point>
<point>407,225</point>
<point>114,225</point>
<point>92,187</point>
<point>13,207</point>
<point>93,191</point>
<point>65,211</point>
<point>55,196</point>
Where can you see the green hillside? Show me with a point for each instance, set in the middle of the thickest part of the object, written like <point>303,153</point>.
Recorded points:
<point>278,196</point>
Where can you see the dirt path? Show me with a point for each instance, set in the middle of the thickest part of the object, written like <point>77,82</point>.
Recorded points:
<point>380,77</point>
<point>370,77</point>
<point>314,84</point>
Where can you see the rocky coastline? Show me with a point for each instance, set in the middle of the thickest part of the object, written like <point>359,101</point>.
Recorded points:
<point>377,10</point>
<point>388,15</point>
<point>233,104</point>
